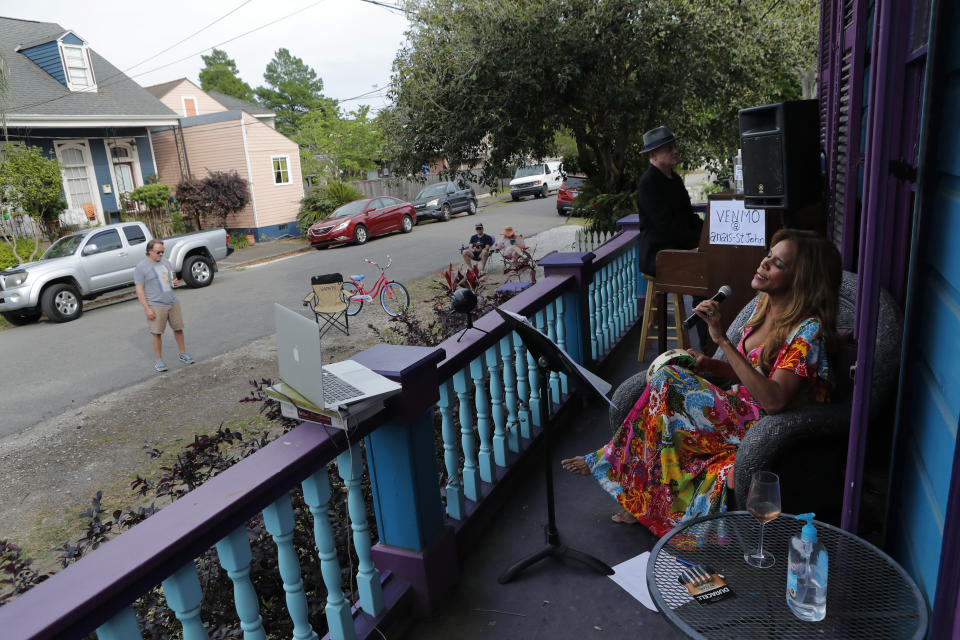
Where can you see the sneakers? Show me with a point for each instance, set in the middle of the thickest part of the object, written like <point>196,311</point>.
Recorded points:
<point>160,366</point>
<point>186,359</point>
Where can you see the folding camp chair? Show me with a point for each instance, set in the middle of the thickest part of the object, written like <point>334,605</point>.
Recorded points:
<point>328,303</point>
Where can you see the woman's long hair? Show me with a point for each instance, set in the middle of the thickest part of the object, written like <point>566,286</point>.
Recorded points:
<point>816,290</point>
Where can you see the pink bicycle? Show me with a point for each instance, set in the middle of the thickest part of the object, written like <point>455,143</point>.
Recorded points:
<point>393,295</point>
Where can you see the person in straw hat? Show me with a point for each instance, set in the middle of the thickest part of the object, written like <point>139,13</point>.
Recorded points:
<point>511,244</point>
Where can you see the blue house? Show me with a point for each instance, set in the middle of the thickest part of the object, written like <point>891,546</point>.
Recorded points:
<point>89,115</point>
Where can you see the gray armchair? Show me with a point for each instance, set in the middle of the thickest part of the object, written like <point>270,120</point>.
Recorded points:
<point>806,446</point>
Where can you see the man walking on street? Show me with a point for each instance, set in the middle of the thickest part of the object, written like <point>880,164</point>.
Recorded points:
<point>667,220</point>
<point>154,280</point>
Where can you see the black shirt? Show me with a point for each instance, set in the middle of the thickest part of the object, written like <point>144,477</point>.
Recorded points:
<point>667,220</point>
<point>486,240</point>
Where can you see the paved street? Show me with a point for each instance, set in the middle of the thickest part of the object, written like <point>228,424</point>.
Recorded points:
<point>51,368</point>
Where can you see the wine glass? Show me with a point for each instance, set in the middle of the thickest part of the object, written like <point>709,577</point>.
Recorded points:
<point>763,503</point>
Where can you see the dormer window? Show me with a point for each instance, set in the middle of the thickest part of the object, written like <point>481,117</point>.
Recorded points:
<point>76,62</point>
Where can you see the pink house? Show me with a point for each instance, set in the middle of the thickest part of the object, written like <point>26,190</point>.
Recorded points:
<point>222,133</point>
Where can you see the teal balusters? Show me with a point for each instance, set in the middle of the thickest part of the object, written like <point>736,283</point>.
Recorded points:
<point>607,294</point>
<point>598,313</point>
<point>497,408</point>
<point>533,376</point>
<point>484,424</point>
<point>455,505</point>
<point>510,394</point>
<point>617,299</point>
<point>235,556</point>
<point>122,626</point>
<point>523,386</point>
<point>551,318</point>
<point>368,577</point>
<point>183,594</point>
<point>625,295</point>
<point>316,493</point>
<point>632,270</point>
<point>278,518</point>
<point>562,340</point>
<point>592,317</point>
<point>471,472</point>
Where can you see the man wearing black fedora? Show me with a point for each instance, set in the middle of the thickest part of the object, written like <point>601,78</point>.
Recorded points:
<point>667,220</point>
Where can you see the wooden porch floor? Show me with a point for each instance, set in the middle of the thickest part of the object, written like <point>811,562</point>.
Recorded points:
<point>554,599</point>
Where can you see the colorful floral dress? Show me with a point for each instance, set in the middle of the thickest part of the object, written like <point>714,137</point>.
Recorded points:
<point>669,460</point>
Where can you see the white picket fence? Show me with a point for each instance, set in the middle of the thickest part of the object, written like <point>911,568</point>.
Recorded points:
<point>588,239</point>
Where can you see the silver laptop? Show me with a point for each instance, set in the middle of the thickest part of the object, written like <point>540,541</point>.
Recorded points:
<point>301,366</point>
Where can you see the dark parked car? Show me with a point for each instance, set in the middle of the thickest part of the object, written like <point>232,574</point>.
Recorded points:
<point>569,191</point>
<point>361,219</point>
<point>444,199</point>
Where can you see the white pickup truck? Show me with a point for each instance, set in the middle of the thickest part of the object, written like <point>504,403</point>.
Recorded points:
<point>92,262</point>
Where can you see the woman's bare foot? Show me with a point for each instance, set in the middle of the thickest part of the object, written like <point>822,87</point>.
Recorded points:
<point>576,465</point>
<point>624,517</point>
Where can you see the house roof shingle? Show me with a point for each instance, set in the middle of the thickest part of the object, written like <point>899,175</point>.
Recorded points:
<point>236,103</point>
<point>33,92</point>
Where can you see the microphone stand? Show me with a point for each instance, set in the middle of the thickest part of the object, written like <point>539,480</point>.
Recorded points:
<point>469,326</point>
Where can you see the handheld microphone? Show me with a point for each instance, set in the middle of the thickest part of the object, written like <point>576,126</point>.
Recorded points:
<point>721,295</point>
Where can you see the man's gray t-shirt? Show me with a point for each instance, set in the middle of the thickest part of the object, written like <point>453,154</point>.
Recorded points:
<point>157,280</point>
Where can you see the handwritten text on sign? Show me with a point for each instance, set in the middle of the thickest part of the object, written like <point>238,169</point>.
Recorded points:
<point>731,223</point>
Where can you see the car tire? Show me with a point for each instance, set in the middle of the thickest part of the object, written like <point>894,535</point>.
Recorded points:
<point>360,234</point>
<point>406,224</point>
<point>560,211</point>
<point>445,212</point>
<point>544,191</point>
<point>514,197</point>
<point>21,317</point>
<point>321,247</point>
<point>472,207</point>
<point>197,271</point>
<point>61,302</point>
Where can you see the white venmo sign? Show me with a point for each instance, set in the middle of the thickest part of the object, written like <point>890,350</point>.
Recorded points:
<point>731,223</point>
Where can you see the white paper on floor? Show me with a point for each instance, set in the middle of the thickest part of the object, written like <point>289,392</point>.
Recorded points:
<point>632,576</point>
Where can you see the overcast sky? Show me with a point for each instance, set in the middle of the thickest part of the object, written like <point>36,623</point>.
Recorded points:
<point>351,44</point>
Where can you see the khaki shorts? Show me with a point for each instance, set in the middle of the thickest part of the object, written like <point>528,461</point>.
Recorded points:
<point>164,315</point>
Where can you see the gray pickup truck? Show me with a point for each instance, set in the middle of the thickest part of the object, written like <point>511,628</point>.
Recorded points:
<point>95,261</point>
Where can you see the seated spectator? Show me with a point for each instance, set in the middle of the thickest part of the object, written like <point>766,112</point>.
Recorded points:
<point>510,244</point>
<point>478,248</point>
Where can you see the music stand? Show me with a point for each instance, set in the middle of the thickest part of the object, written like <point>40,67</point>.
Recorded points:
<point>549,357</point>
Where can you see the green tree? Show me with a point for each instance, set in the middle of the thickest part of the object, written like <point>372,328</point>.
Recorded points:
<point>220,73</point>
<point>490,82</point>
<point>293,90</point>
<point>31,185</point>
<point>340,148</point>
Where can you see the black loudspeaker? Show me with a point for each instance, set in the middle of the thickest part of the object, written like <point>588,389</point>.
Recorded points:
<point>780,155</point>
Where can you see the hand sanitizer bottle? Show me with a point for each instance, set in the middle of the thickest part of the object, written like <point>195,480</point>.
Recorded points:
<point>807,574</point>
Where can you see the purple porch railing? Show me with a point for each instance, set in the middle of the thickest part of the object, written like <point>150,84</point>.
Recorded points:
<point>586,303</point>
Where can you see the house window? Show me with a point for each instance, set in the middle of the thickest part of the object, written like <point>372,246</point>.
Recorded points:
<point>281,169</point>
<point>76,63</point>
<point>189,106</point>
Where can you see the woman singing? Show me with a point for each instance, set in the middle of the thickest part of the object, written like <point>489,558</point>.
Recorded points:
<point>672,457</point>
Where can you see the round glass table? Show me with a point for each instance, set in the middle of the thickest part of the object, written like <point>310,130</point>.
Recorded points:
<point>869,595</point>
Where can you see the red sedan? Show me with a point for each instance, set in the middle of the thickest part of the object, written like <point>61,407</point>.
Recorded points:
<point>361,219</point>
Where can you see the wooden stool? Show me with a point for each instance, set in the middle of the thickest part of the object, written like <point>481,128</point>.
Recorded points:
<point>649,318</point>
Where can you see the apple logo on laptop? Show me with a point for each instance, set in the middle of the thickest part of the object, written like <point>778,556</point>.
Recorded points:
<point>296,354</point>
